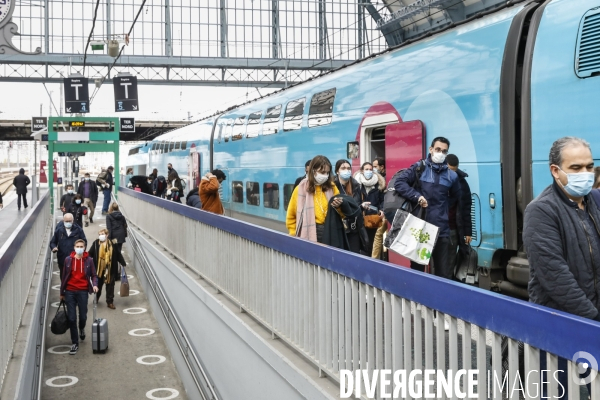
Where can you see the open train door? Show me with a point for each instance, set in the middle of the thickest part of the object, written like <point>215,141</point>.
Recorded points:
<point>404,146</point>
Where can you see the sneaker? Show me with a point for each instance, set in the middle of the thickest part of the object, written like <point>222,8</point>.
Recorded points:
<point>74,349</point>
<point>86,224</point>
<point>91,220</point>
<point>82,334</point>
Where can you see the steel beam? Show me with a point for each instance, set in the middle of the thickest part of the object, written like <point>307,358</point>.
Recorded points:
<point>275,33</point>
<point>168,38</point>
<point>223,13</point>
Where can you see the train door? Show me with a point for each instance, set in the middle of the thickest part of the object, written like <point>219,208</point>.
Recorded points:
<point>194,168</point>
<point>404,145</point>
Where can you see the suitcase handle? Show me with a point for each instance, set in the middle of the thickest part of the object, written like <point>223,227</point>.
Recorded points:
<point>95,305</point>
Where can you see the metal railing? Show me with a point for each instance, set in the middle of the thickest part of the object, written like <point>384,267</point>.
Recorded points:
<point>18,260</point>
<point>348,312</point>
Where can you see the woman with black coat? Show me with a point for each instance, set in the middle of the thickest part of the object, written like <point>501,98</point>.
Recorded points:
<point>117,226</point>
<point>372,191</point>
<point>349,186</point>
<point>78,210</point>
<point>107,258</point>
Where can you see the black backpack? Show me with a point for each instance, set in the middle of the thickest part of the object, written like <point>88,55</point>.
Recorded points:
<point>393,201</point>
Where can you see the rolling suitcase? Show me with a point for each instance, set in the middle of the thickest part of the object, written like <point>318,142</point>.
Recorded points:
<point>99,332</point>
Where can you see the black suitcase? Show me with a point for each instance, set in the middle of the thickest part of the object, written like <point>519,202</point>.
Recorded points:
<point>99,332</point>
<point>466,267</point>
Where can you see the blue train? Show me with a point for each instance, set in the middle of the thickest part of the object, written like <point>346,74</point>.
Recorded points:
<point>502,87</point>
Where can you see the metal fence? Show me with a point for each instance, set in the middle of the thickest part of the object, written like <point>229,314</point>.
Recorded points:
<point>348,312</point>
<point>18,259</point>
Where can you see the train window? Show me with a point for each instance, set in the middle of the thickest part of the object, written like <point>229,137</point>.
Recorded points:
<point>293,115</point>
<point>253,127</point>
<point>184,145</point>
<point>135,150</point>
<point>238,128</point>
<point>154,146</point>
<point>228,129</point>
<point>252,193</point>
<point>352,150</point>
<point>321,108</point>
<point>271,122</point>
<point>271,195</point>
<point>177,145</point>
<point>221,129</point>
<point>171,146</point>
<point>163,146</point>
<point>237,189</point>
<point>288,189</point>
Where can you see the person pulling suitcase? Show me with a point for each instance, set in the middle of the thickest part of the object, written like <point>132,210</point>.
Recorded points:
<point>78,282</point>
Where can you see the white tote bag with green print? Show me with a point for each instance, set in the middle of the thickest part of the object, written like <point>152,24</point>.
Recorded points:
<point>416,240</point>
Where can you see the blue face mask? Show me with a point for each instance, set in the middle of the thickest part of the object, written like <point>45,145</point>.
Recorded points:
<point>77,201</point>
<point>368,174</point>
<point>579,184</point>
<point>68,225</point>
<point>79,251</point>
<point>345,174</point>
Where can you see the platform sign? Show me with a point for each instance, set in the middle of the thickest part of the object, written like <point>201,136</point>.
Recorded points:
<point>126,93</point>
<point>77,95</point>
<point>127,125</point>
<point>39,124</point>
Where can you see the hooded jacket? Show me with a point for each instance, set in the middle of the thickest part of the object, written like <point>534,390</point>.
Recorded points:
<point>21,181</point>
<point>66,200</point>
<point>65,243</point>
<point>439,186</point>
<point>159,186</point>
<point>117,226</point>
<point>563,253</point>
<point>209,195</point>
<point>374,196</point>
<point>193,199</point>
<point>90,272</point>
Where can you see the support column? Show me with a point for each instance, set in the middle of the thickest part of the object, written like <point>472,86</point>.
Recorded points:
<point>224,52</point>
<point>322,29</point>
<point>108,21</point>
<point>361,16</point>
<point>276,42</point>
<point>168,38</point>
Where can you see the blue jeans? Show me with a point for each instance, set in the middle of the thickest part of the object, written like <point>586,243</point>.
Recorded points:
<point>106,200</point>
<point>76,299</point>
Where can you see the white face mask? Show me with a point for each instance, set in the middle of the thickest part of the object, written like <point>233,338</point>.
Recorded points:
<point>321,178</point>
<point>102,238</point>
<point>438,158</point>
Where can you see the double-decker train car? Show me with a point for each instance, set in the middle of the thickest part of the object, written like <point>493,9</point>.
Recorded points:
<point>501,87</point>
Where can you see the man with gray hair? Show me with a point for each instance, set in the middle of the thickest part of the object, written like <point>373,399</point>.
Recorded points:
<point>561,233</point>
<point>63,241</point>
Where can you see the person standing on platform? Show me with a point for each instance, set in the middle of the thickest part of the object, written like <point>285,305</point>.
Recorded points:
<point>299,179</point>
<point>64,238</point>
<point>379,166</point>
<point>107,258</point>
<point>159,187</point>
<point>439,191</point>
<point>89,191</point>
<point>597,178</point>
<point>128,176</point>
<point>459,215</point>
<point>209,191</point>
<point>116,225</point>
<point>21,182</point>
<point>78,210</point>
<point>309,203</point>
<point>67,199</point>
<point>1,205</point>
<point>347,185</point>
<point>106,182</point>
<point>193,198</point>
<point>154,174</point>
<point>78,282</point>
<point>372,186</point>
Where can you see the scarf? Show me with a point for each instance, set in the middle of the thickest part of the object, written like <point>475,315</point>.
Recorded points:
<point>104,262</point>
<point>369,184</point>
<point>306,227</point>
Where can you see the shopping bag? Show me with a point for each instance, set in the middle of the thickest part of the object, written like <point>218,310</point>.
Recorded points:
<point>416,240</point>
<point>124,289</point>
<point>396,227</point>
<point>60,323</point>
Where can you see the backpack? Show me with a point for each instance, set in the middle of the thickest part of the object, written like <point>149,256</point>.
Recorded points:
<point>392,200</point>
<point>100,180</point>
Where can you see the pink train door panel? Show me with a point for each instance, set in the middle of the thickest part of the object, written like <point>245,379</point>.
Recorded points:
<point>194,169</point>
<point>404,146</point>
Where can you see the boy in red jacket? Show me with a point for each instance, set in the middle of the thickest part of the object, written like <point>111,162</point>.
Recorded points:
<point>79,280</point>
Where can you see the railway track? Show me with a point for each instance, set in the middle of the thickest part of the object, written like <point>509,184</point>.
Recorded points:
<point>6,181</point>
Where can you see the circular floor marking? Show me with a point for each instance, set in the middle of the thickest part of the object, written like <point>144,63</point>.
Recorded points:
<point>55,305</point>
<point>135,310</point>
<point>133,292</point>
<point>56,272</point>
<point>150,394</point>
<point>134,332</point>
<point>74,380</point>
<point>53,349</point>
<point>140,360</point>
<point>103,225</point>
<point>129,276</point>
<point>56,287</point>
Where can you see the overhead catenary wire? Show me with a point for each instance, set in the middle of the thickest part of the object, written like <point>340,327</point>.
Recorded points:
<point>87,45</point>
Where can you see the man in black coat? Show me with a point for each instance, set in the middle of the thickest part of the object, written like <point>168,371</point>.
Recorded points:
<point>89,191</point>
<point>64,238</point>
<point>21,181</point>
<point>459,215</point>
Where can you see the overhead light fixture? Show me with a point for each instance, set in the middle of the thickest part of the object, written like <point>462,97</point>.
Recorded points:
<point>113,48</point>
<point>97,45</point>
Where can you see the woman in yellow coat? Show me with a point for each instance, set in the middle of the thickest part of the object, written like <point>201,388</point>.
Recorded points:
<point>310,200</point>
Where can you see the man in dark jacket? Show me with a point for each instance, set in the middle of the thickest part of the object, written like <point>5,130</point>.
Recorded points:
<point>89,191</point>
<point>64,238</point>
<point>438,192</point>
<point>459,215</point>
<point>67,199</point>
<point>193,199</point>
<point>106,182</point>
<point>159,186</point>
<point>21,181</point>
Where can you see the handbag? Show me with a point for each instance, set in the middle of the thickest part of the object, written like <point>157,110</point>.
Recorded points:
<point>60,322</point>
<point>124,289</point>
<point>416,240</point>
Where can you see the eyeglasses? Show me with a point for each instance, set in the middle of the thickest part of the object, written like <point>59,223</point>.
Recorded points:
<point>438,150</point>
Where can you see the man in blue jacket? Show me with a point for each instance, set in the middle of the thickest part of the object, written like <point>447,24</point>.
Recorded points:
<point>64,238</point>
<point>439,189</point>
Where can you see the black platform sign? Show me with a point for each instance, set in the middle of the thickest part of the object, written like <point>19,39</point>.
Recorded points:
<point>77,95</point>
<point>127,125</point>
<point>39,123</point>
<point>126,93</point>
